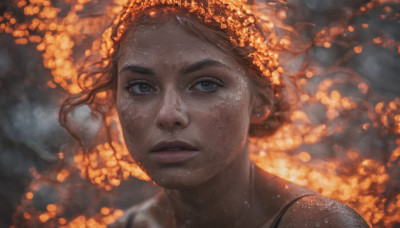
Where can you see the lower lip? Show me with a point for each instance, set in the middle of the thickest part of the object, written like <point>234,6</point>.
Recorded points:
<point>170,157</point>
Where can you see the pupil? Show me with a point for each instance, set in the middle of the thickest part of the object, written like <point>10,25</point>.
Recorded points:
<point>206,84</point>
<point>144,87</point>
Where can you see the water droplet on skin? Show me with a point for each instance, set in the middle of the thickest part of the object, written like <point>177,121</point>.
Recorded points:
<point>278,196</point>
<point>326,220</point>
<point>246,203</point>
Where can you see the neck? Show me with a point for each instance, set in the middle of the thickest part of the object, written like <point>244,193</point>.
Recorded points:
<point>222,201</point>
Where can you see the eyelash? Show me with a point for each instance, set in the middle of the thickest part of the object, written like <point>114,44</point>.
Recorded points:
<point>131,86</point>
<point>215,82</point>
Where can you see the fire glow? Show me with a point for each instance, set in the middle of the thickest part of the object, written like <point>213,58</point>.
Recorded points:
<point>358,181</point>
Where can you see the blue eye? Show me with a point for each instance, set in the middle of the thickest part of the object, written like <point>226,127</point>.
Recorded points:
<point>139,88</point>
<point>208,86</point>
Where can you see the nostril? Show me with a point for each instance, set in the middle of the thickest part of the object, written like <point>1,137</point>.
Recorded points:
<point>172,120</point>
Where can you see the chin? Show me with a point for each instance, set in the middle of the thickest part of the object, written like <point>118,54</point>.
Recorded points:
<point>177,178</point>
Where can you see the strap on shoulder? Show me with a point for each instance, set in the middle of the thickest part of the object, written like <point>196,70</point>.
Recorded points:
<point>282,212</point>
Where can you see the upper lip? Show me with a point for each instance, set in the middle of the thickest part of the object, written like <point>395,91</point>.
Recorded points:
<point>173,145</point>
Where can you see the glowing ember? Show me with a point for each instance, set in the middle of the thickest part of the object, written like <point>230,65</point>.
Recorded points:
<point>354,178</point>
<point>103,166</point>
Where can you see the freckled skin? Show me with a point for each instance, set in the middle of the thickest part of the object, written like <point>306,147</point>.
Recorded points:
<point>218,186</point>
<point>314,211</point>
<point>209,121</point>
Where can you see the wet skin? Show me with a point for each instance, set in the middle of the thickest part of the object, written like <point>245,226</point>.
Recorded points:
<point>174,87</point>
<point>185,108</point>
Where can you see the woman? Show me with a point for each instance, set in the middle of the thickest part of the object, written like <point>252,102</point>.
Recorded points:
<point>191,82</point>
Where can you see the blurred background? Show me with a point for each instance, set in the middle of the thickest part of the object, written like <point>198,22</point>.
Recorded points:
<point>31,137</point>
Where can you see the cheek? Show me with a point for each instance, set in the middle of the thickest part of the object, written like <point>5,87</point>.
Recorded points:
<point>227,124</point>
<point>133,122</point>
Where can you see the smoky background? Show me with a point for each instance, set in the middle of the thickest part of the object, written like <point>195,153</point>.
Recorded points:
<point>31,137</point>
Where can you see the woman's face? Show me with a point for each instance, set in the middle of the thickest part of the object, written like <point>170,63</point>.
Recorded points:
<point>184,105</point>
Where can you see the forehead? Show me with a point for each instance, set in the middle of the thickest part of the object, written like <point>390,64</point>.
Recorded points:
<point>168,44</point>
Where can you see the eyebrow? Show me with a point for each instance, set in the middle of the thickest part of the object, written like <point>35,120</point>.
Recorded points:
<point>190,69</point>
<point>202,64</point>
<point>137,69</point>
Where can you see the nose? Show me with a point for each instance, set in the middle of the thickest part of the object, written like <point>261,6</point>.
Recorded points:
<point>172,113</point>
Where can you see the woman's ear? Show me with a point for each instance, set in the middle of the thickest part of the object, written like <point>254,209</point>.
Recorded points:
<point>259,115</point>
<point>261,104</point>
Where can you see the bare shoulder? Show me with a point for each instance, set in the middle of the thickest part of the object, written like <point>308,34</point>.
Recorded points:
<point>125,219</point>
<point>135,215</point>
<point>318,211</point>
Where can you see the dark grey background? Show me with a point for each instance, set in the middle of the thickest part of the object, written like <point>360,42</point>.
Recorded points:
<point>30,135</point>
